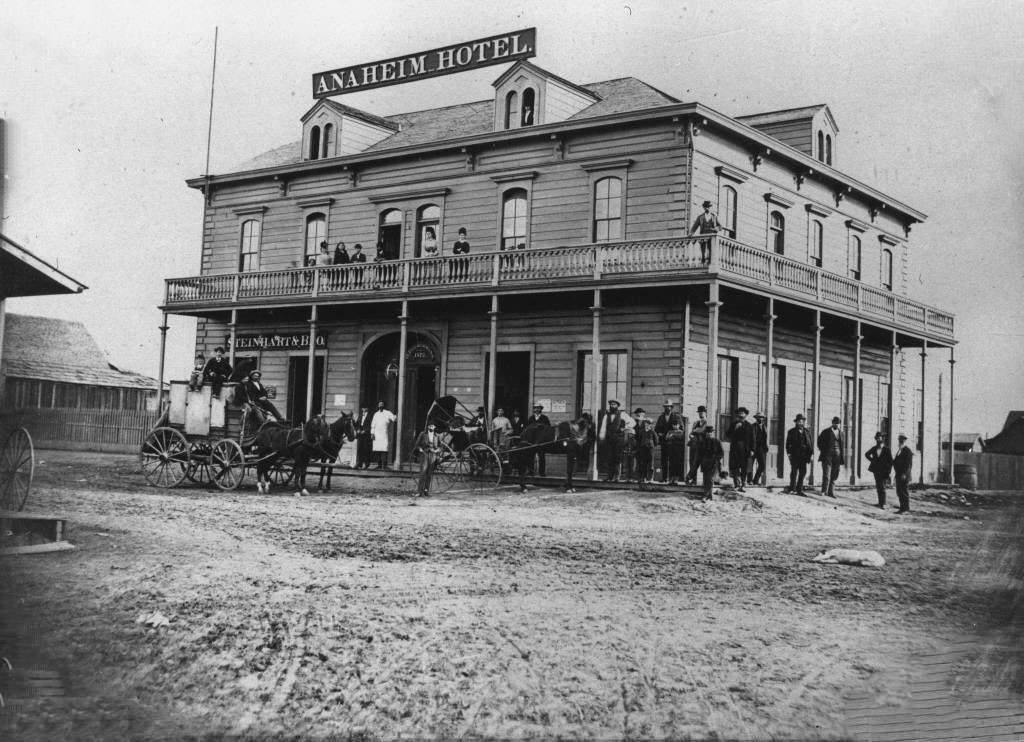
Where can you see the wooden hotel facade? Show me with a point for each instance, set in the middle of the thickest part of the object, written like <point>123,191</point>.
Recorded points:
<point>582,279</point>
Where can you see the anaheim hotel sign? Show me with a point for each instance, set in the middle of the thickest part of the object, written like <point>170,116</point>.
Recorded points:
<point>470,55</point>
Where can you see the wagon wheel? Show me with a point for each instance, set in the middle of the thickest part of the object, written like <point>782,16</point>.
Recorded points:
<point>227,463</point>
<point>199,470</point>
<point>281,472</point>
<point>17,465</point>
<point>448,469</point>
<point>482,467</point>
<point>164,457</point>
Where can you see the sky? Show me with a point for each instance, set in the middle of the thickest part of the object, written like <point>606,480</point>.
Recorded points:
<point>107,103</point>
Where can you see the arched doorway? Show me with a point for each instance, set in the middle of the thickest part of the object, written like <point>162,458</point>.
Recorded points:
<point>422,379</point>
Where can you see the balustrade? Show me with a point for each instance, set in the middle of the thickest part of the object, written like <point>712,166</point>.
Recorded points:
<point>598,262</point>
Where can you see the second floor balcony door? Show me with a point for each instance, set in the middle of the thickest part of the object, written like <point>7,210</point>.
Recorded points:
<point>390,234</point>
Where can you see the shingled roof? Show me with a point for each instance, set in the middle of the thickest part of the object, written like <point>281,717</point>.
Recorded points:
<point>468,119</point>
<point>61,350</point>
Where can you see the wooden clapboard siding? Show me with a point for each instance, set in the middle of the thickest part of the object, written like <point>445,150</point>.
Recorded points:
<point>561,102</point>
<point>797,133</point>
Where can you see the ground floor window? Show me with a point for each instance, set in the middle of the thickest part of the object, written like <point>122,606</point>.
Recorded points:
<point>728,392</point>
<point>613,380</point>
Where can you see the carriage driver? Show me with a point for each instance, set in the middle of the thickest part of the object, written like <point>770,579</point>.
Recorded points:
<point>256,393</point>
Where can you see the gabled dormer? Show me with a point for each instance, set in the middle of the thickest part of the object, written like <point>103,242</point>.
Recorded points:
<point>526,95</point>
<point>331,129</point>
<point>812,130</point>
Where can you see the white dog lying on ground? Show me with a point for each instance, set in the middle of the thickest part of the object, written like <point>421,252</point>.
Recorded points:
<point>855,557</point>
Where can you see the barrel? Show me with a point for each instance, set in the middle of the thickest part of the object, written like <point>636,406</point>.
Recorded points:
<point>966,475</point>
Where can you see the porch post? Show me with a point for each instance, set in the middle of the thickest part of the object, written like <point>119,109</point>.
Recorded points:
<point>712,404</point>
<point>684,352</point>
<point>312,361</point>
<point>403,339</point>
<point>952,399</point>
<point>492,367</point>
<point>924,357</point>
<point>855,438</point>
<point>160,373</point>
<point>231,337</point>
<point>766,407</point>
<point>595,376</point>
<point>816,386</point>
<point>890,403</point>
<point>3,319</point>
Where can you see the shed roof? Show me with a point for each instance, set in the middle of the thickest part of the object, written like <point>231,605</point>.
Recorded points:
<point>25,274</point>
<point>61,350</point>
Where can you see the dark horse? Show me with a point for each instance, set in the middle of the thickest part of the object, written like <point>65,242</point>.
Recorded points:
<point>342,429</point>
<point>275,441</point>
<point>570,438</point>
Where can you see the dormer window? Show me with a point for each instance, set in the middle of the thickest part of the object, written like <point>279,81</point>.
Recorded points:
<point>821,146</point>
<point>529,106</point>
<point>511,109</point>
<point>328,140</point>
<point>314,143</point>
<point>828,149</point>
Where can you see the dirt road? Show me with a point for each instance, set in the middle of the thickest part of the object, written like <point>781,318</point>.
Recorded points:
<point>603,614</point>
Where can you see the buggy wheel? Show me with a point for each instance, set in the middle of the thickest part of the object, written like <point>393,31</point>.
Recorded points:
<point>17,465</point>
<point>164,457</point>
<point>227,464</point>
<point>199,470</point>
<point>281,472</point>
<point>448,467</point>
<point>482,467</point>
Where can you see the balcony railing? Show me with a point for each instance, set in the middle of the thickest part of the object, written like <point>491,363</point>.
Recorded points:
<point>605,262</point>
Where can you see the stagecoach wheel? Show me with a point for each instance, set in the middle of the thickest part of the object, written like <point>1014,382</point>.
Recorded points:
<point>199,470</point>
<point>448,468</point>
<point>227,463</point>
<point>164,457</point>
<point>17,465</point>
<point>482,467</point>
<point>281,473</point>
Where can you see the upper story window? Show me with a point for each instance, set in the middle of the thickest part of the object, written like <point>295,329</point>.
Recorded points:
<point>328,147</point>
<point>316,232</point>
<point>389,235</point>
<point>314,143</point>
<point>887,269</point>
<point>855,256</point>
<point>249,254</point>
<point>821,146</point>
<point>777,231</point>
<point>608,210</point>
<point>729,211</point>
<point>817,239</point>
<point>529,107</point>
<point>428,220</point>
<point>514,225</point>
<point>828,149</point>
<point>511,109</point>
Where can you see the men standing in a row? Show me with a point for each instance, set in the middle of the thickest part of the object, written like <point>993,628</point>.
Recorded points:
<point>217,370</point>
<point>538,418</point>
<point>881,465</point>
<point>661,428</point>
<point>830,454</point>
<point>760,450</point>
<point>800,451</point>
<point>363,438</point>
<point>694,444</point>
<point>741,443</point>
<point>612,427</point>
<point>903,465</point>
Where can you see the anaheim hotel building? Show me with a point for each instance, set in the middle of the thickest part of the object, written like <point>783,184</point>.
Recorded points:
<point>577,200</point>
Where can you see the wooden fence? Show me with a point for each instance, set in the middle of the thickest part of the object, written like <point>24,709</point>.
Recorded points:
<point>119,431</point>
<point>996,471</point>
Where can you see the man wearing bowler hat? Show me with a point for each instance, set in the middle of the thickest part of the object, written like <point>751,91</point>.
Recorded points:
<point>540,419</point>
<point>881,465</point>
<point>706,223</point>
<point>694,443</point>
<point>741,443</point>
<point>903,465</point>
<point>830,454</point>
<point>611,438</point>
<point>760,450</point>
<point>800,451</point>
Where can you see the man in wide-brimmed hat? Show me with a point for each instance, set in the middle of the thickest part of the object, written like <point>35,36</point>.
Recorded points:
<point>760,451</point>
<point>800,450</point>
<point>830,454</point>
<point>741,443</point>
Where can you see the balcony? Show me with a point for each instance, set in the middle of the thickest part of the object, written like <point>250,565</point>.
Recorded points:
<point>605,264</point>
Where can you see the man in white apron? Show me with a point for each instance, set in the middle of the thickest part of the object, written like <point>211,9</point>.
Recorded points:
<point>380,429</point>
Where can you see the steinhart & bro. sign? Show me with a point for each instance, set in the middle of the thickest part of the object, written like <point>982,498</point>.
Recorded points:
<point>469,55</point>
